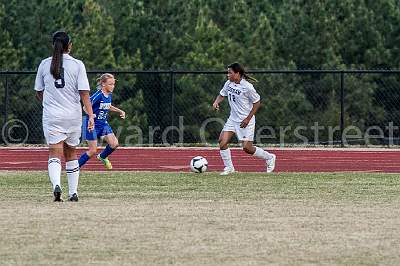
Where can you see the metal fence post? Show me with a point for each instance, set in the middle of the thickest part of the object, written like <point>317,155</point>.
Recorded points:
<point>6,96</point>
<point>341,107</point>
<point>172,85</point>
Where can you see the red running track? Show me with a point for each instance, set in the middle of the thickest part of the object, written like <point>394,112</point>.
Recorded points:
<point>177,159</point>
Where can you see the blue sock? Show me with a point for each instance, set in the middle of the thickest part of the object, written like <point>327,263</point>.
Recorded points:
<point>107,151</point>
<point>83,159</point>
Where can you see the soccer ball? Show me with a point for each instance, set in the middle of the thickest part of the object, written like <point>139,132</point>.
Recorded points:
<point>198,164</point>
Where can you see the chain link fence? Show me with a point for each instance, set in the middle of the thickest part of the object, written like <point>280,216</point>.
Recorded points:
<point>305,107</point>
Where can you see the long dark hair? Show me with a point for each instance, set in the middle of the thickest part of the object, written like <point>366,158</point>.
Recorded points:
<point>238,68</point>
<point>60,45</point>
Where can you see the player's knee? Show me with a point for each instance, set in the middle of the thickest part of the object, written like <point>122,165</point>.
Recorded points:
<point>92,151</point>
<point>248,149</point>
<point>114,144</point>
<point>223,145</point>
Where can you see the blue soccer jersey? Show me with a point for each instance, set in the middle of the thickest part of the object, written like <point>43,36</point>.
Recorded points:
<point>101,105</point>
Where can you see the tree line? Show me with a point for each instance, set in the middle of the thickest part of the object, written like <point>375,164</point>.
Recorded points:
<point>208,35</point>
<point>204,34</point>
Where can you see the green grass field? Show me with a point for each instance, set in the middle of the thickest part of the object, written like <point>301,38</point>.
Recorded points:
<point>138,218</point>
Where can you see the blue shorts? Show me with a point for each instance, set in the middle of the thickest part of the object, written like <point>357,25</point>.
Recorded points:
<point>99,130</point>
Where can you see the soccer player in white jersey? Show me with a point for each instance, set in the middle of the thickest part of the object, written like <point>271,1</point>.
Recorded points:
<point>244,102</point>
<point>61,82</point>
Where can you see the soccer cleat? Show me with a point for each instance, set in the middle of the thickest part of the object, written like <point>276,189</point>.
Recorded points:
<point>57,194</point>
<point>106,162</point>
<point>227,171</point>
<point>74,197</point>
<point>271,164</point>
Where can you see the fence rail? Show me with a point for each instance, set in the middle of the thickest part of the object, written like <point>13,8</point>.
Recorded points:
<point>299,107</point>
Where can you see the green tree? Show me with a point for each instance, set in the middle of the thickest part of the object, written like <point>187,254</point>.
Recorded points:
<point>309,35</point>
<point>262,43</point>
<point>9,56</point>
<point>94,32</point>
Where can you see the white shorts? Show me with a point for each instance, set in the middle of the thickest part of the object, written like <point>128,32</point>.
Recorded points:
<point>54,136</point>
<point>243,134</point>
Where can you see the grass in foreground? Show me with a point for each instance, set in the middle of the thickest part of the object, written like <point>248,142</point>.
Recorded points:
<point>146,218</point>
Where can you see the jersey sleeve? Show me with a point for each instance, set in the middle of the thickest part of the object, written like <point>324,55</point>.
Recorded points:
<point>83,82</point>
<point>223,91</point>
<point>253,95</point>
<point>39,81</point>
<point>96,97</point>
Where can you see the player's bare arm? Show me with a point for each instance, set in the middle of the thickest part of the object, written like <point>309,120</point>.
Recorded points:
<point>121,112</point>
<point>253,111</point>
<point>88,108</point>
<point>39,95</point>
<point>219,99</point>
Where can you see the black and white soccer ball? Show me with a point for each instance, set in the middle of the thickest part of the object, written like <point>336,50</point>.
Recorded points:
<point>198,164</point>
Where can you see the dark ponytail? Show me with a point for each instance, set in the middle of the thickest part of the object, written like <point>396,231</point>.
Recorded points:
<point>56,61</point>
<point>238,68</point>
<point>60,45</point>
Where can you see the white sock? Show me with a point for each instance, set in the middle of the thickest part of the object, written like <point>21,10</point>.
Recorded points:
<point>226,157</point>
<point>260,153</point>
<point>72,169</point>
<point>54,167</point>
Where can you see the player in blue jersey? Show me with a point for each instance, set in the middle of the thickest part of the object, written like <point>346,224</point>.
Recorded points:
<point>101,103</point>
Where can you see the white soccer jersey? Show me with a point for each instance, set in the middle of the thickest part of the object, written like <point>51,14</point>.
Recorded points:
<point>61,100</point>
<point>241,98</point>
